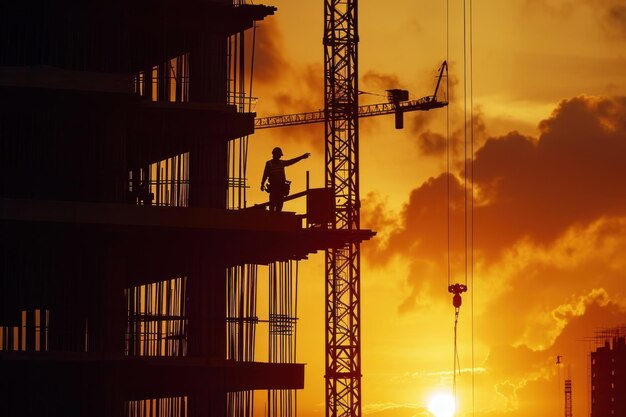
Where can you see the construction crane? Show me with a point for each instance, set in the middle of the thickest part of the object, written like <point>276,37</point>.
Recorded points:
<point>397,104</point>
<point>343,265</point>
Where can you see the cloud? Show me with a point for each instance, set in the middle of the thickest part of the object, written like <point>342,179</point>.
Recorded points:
<point>435,376</point>
<point>612,15</point>
<point>570,175</point>
<point>616,16</point>
<point>436,144</point>
<point>374,81</point>
<point>564,313</point>
<point>376,216</point>
<point>270,61</point>
<point>528,188</point>
<point>558,8</point>
<point>508,391</point>
<point>419,123</point>
<point>432,143</point>
<point>521,377</point>
<point>391,409</point>
<point>550,223</point>
<point>539,290</point>
<point>287,88</point>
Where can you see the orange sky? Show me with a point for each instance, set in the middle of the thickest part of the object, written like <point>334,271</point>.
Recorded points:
<point>550,216</point>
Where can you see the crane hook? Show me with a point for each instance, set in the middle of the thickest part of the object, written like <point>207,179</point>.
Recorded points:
<point>457,290</point>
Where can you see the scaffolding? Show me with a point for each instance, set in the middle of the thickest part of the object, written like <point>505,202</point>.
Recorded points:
<point>609,335</point>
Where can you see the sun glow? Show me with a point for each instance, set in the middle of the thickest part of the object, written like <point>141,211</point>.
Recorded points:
<point>442,405</point>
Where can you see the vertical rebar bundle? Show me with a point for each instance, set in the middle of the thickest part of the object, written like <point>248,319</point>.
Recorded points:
<point>157,407</point>
<point>163,183</point>
<point>283,310</point>
<point>241,321</point>
<point>157,320</point>
<point>157,324</point>
<point>237,96</point>
<point>241,287</point>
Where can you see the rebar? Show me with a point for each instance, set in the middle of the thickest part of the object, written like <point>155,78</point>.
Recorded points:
<point>157,321</point>
<point>283,306</point>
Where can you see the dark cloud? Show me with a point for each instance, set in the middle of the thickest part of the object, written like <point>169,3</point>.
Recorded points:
<point>616,16</point>
<point>422,236</point>
<point>376,216</point>
<point>611,16</point>
<point>528,190</point>
<point>432,143</point>
<point>572,174</point>
<point>306,95</point>
<point>285,88</point>
<point>423,228</point>
<point>375,81</point>
<point>270,62</point>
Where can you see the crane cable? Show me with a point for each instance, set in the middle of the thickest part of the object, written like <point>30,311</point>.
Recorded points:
<point>468,208</point>
<point>471,81</point>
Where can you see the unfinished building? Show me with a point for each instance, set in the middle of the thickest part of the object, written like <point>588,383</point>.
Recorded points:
<point>129,262</point>
<point>608,373</point>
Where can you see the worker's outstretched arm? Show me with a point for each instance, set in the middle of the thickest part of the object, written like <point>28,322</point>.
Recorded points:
<point>294,160</point>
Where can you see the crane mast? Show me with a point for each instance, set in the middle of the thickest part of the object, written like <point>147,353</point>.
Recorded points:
<point>343,269</point>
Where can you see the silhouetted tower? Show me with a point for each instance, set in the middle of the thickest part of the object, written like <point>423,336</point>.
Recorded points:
<point>343,288</point>
<point>568,398</point>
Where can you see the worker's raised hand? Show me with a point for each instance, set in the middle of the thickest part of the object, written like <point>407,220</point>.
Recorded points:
<point>306,155</point>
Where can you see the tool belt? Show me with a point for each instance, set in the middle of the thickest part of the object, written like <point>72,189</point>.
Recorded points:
<point>279,188</point>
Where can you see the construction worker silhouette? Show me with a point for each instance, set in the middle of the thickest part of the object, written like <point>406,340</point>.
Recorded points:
<point>278,186</point>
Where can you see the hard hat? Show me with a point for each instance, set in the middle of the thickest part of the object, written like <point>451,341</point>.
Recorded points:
<point>277,151</point>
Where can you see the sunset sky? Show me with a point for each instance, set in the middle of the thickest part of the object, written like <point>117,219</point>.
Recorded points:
<point>550,212</point>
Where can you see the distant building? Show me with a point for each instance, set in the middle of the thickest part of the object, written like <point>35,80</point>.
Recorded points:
<point>608,374</point>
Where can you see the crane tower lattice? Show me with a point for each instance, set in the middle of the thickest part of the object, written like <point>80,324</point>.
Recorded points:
<point>343,269</point>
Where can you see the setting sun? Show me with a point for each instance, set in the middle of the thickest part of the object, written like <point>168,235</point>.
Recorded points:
<point>442,405</point>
